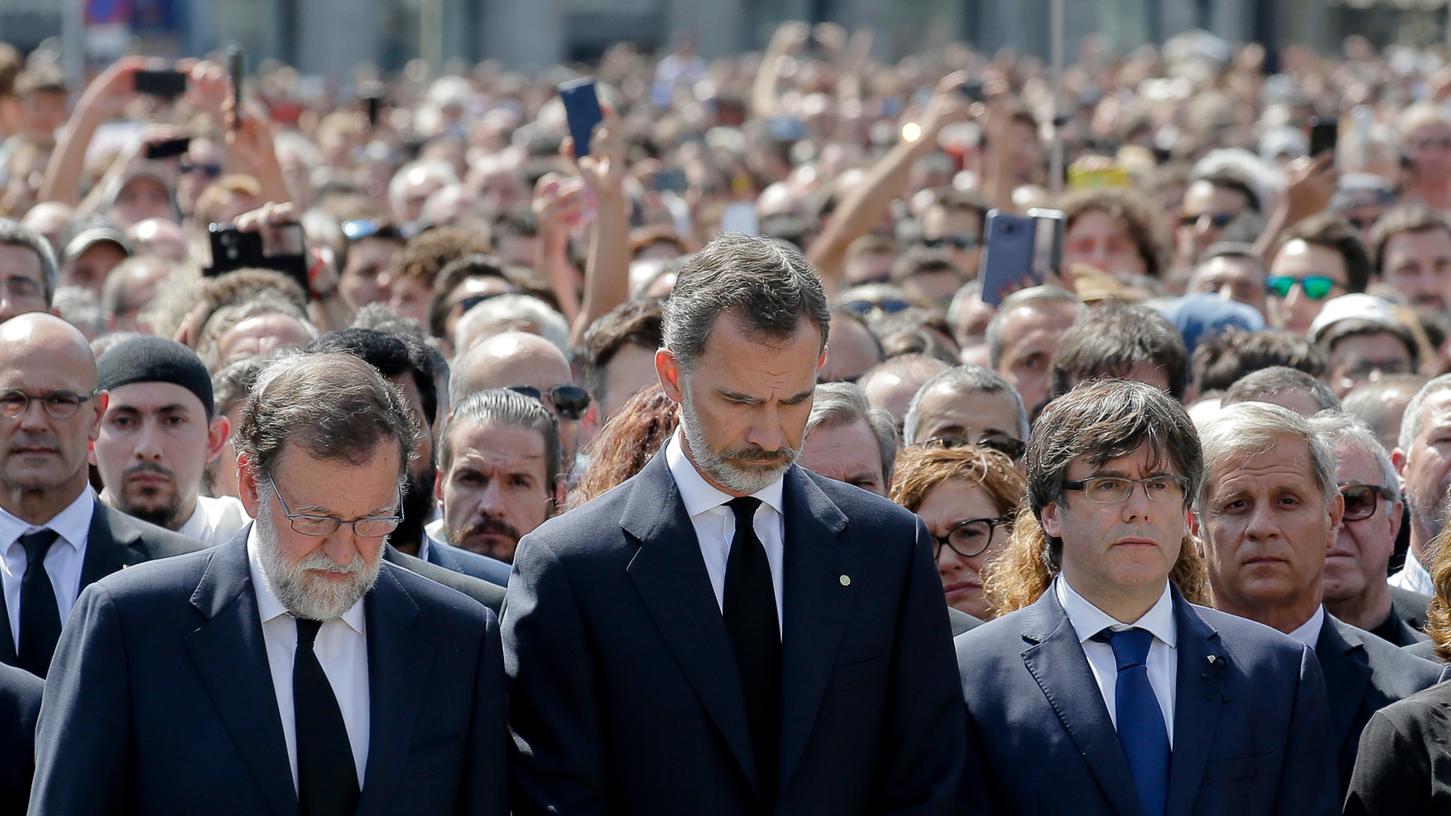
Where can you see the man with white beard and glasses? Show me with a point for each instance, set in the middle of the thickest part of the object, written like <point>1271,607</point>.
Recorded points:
<point>290,669</point>
<point>727,633</point>
<point>1423,459</point>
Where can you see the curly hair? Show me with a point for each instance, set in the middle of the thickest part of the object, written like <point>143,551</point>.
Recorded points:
<point>920,469</point>
<point>1141,222</point>
<point>425,255</point>
<point>1438,614</point>
<point>637,432</point>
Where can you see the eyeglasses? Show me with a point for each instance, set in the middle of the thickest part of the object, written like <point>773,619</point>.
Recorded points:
<point>1361,500</point>
<point>360,228</point>
<point>958,241</point>
<point>1006,445</point>
<point>209,169</point>
<point>569,401</point>
<point>866,307</point>
<point>1315,287</point>
<point>465,304</point>
<point>970,537</point>
<point>1114,489</point>
<point>58,404</point>
<point>309,524</point>
<point>1220,220</point>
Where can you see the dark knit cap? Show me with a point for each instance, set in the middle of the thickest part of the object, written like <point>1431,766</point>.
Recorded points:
<point>145,358</point>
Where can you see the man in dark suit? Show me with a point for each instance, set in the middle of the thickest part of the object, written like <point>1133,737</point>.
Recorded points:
<point>56,538</point>
<point>1110,694</point>
<point>1269,511</point>
<point>291,670</point>
<point>19,706</point>
<point>726,633</point>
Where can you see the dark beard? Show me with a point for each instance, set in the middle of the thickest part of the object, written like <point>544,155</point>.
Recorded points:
<point>417,511</point>
<point>162,517</point>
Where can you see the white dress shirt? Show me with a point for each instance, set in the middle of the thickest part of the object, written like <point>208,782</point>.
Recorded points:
<point>342,649</point>
<point>1163,663</point>
<point>215,520</point>
<point>1413,576</point>
<point>1308,632</point>
<point>715,524</point>
<point>62,562</point>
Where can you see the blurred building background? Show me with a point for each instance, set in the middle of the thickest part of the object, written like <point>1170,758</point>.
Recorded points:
<point>330,37</point>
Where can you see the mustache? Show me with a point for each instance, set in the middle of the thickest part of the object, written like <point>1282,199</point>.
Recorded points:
<point>149,467</point>
<point>759,456</point>
<point>490,526</point>
<point>320,561</point>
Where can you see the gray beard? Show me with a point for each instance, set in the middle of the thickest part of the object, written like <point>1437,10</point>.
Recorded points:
<point>306,596</point>
<point>741,480</point>
<point>1428,522</point>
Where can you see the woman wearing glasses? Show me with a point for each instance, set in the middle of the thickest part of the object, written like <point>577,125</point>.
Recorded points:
<point>968,497</point>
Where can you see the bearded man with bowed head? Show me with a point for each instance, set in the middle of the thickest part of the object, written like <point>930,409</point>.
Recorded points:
<point>726,633</point>
<point>290,670</point>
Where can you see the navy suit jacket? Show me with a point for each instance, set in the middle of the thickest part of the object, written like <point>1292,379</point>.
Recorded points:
<point>113,541</point>
<point>1363,674</point>
<point>485,592</point>
<point>19,706</point>
<point>467,562</point>
<point>624,692</point>
<point>1251,731</point>
<point>161,701</point>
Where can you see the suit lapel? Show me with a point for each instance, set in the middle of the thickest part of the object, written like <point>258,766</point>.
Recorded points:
<point>7,640</point>
<point>1201,668</point>
<point>1055,659</point>
<point>399,659</point>
<point>669,575</point>
<point>1347,674</point>
<point>231,658</point>
<point>816,607</point>
<point>110,545</point>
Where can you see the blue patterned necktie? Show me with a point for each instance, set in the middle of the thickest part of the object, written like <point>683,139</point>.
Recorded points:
<point>1141,729</point>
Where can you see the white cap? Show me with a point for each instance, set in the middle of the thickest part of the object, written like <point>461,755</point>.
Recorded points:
<point>1357,306</point>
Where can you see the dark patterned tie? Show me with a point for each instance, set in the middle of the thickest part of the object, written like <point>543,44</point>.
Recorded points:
<point>327,779</point>
<point>39,612</point>
<point>750,618</point>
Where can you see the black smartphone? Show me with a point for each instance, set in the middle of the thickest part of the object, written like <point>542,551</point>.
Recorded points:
<point>1324,134</point>
<point>972,90</point>
<point>671,180</point>
<point>280,248</point>
<point>168,149</point>
<point>374,104</point>
<point>166,83</point>
<point>233,249</point>
<point>236,68</point>
<point>582,109</point>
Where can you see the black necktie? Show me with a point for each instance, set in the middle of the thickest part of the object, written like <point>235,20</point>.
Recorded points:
<point>327,780</point>
<point>39,613</point>
<point>750,618</point>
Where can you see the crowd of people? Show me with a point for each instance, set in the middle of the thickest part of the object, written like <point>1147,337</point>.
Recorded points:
<point>367,447</point>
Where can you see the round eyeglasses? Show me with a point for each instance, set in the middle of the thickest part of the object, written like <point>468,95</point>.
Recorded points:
<point>970,537</point>
<point>57,404</point>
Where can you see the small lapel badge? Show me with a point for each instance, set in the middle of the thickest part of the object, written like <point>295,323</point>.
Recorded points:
<point>845,580</point>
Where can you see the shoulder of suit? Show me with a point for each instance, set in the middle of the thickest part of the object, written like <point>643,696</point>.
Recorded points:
<point>158,542</point>
<point>1395,668</point>
<point>862,507</point>
<point>1409,603</point>
<point>159,577</point>
<point>436,597</point>
<point>20,688</point>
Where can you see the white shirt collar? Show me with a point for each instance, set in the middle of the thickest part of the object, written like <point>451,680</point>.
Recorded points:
<point>701,496</point>
<point>72,524</point>
<point>268,607</point>
<point>1308,632</point>
<point>1088,620</point>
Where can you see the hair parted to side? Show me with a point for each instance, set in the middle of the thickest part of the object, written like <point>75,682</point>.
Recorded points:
<point>499,406</point>
<point>1246,429</point>
<point>766,284</point>
<point>334,406</point>
<point>841,403</point>
<point>1102,420</point>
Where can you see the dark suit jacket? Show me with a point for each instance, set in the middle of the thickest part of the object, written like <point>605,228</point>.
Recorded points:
<point>1251,731</point>
<point>1410,607</point>
<point>624,693</point>
<point>485,592</point>
<point>1404,752</point>
<point>19,706</point>
<point>114,541</point>
<point>162,699</point>
<point>467,562</point>
<point>1363,674</point>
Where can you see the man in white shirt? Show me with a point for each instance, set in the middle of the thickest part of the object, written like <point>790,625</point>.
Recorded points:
<point>55,538</point>
<point>1079,701</point>
<point>1269,512</point>
<point>158,434</point>
<point>1423,458</point>
<point>291,669</point>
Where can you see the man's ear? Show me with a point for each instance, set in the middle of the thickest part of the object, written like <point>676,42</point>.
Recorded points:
<point>667,368</point>
<point>1052,524</point>
<point>247,489</point>
<point>217,431</point>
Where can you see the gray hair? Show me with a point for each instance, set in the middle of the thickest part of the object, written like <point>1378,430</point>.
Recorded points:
<point>234,383</point>
<point>79,307</point>
<point>766,283</point>
<point>333,405</point>
<point>1412,420</point>
<point>1267,382</point>
<point>1247,429</point>
<point>113,290</point>
<point>227,318</point>
<point>1032,296</point>
<point>964,379</point>
<point>512,312</point>
<point>500,406</point>
<point>841,403</point>
<point>1345,430</point>
<point>14,233</point>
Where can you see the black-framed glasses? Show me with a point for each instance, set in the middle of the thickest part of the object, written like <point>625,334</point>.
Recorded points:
<point>310,524</point>
<point>970,537</point>
<point>1114,489</point>
<point>1006,445</point>
<point>58,404</point>
<point>569,401</point>
<point>961,241</point>
<point>1361,500</point>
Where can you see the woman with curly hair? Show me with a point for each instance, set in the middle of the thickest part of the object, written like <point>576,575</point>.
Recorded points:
<point>968,497</point>
<point>637,432</point>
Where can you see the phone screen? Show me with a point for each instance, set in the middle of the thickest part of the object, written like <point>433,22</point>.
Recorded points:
<point>166,84</point>
<point>582,110</point>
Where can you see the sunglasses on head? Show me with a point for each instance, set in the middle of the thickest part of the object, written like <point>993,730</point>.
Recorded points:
<point>1315,287</point>
<point>1220,220</point>
<point>360,228</point>
<point>958,241</point>
<point>1361,499</point>
<point>569,401</point>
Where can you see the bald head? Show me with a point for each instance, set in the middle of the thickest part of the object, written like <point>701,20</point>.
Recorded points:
<point>509,359</point>
<point>38,342</point>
